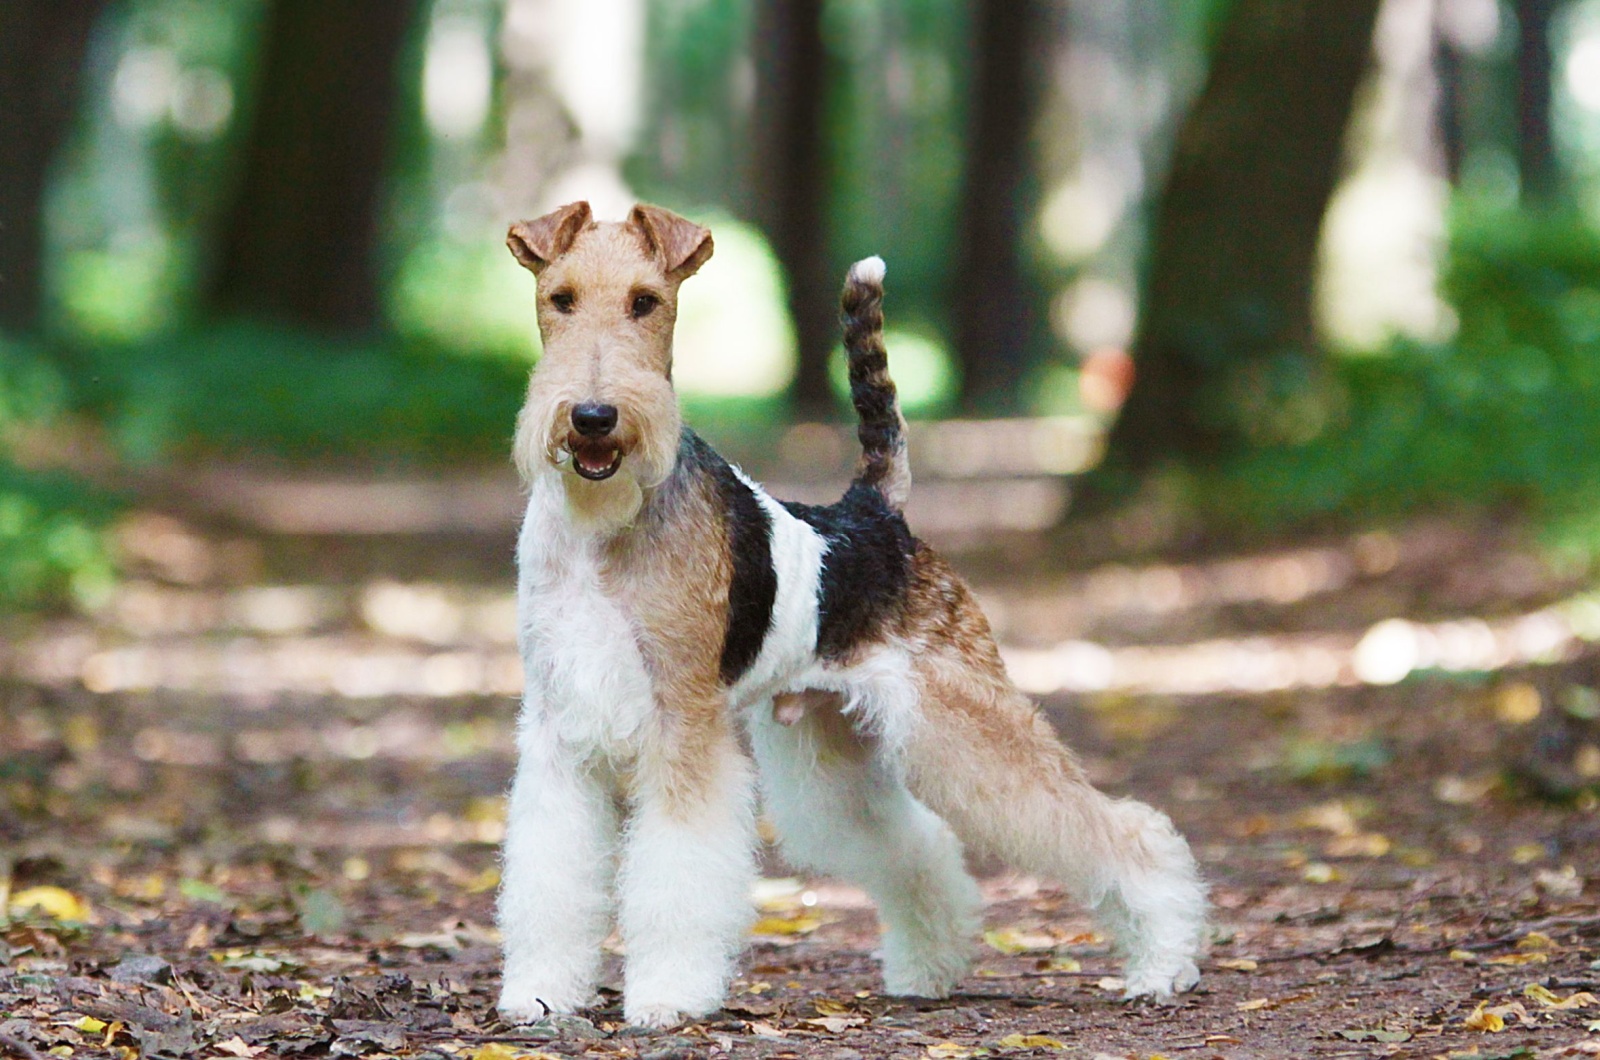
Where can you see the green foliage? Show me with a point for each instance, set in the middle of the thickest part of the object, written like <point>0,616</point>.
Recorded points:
<point>254,388</point>
<point>51,548</point>
<point>1508,411</point>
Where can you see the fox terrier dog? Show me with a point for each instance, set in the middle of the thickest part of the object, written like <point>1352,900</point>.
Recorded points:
<point>666,602</point>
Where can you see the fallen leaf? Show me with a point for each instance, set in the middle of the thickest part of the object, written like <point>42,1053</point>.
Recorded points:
<point>1238,964</point>
<point>1256,1004</point>
<point>766,1030</point>
<point>1481,1019</point>
<point>785,925</point>
<point>951,1051</point>
<point>1376,1035</point>
<point>1062,964</point>
<point>1012,941</point>
<point>1549,999</point>
<point>1112,983</point>
<point>201,891</point>
<point>89,1025</point>
<point>828,1007</point>
<point>1519,958</point>
<point>835,1024</point>
<point>251,961</point>
<point>502,1051</point>
<point>57,903</point>
<point>1463,955</point>
<point>1320,872</point>
<point>236,1046</point>
<point>1031,1041</point>
<point>1537,940</point>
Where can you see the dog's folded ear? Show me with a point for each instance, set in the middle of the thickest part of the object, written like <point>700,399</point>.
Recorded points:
<point>538,242</point>
<point>682,245</point>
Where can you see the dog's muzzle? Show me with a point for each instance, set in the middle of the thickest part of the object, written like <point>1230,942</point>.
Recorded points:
<point>595,454</point>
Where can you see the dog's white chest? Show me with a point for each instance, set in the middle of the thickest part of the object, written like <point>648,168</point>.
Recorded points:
<point>584,672</point>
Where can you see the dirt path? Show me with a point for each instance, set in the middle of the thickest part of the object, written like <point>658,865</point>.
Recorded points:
<point>251,810</point>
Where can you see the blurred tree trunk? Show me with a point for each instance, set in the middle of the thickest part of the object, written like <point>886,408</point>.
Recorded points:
<point>1536,152</point>
<point>42,52</point>
<point>300,239</point>
<point>1448,109</point>
<point>992,308</point>
<point>789,181</point>
<point>1226,348</point>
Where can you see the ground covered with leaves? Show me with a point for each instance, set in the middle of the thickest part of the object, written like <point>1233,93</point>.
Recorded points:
<point>251,808</point>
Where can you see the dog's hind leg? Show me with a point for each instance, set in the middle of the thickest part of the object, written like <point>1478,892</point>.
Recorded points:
<point>840,807</point>
<point>985,759</point>
<point>687,865</point>
<point>555,901</point>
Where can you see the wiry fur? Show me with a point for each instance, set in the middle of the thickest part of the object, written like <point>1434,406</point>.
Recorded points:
<point>664,600</point>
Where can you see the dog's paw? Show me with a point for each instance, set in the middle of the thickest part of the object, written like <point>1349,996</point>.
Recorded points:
<point>530,1003</point>
<point>656,1017</point>
<point>1161,982</point>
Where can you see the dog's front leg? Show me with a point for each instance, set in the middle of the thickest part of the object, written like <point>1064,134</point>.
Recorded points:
<point>555,899</point>
<point>687,865</point>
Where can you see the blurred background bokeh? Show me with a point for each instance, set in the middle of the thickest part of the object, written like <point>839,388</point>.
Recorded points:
<point>1286,261</point>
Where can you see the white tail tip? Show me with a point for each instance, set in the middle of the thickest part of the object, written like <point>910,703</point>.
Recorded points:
<point>869,270</point>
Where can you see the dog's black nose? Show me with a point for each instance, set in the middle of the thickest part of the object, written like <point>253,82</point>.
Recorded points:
<point>594,420</point>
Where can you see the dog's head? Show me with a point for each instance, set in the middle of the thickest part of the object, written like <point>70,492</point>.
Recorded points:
<point>601,402</point>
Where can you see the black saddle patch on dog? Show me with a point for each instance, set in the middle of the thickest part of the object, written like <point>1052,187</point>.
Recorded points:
<point>865,570</point>
<point>754,587</point>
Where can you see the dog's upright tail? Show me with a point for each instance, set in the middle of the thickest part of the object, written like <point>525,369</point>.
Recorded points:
<point>884,464</point>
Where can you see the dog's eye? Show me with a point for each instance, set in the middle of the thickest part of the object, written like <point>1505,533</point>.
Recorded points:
<point>563,301</point>
<point>644,305</point>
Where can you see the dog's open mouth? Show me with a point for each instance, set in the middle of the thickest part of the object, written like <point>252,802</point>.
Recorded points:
<point>596,460</point>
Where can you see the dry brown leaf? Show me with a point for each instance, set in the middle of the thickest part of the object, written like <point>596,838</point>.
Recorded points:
<point>1238,964</point>
<point>835,1024</point>
<point>829,1007</point>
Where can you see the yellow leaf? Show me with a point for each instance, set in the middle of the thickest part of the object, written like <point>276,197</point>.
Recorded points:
<point>780,925</point>
<point>487,880</point>
<point>1463,955</point>
<point>61,1050</point>
<point>90,1025</point>
<point>950,1051</point>
<point>1520,958</point>
<point>57,903</point>
<point>1063,964</point>
<point>1253,1004</point>
<point>1031,1041</point>
<point>828,1007</point>
<point>1518,703</point>
<point>757,988</point>
<point>1238,964</point>
<point>502,1051</point>
<point>1012,941</point>
<point>1537,940</point>
<point>1527,852</point>
<point>112,1031</point>
<point>1549,999</point>
<point>1482,1020</point>
<point>1320,872</point>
